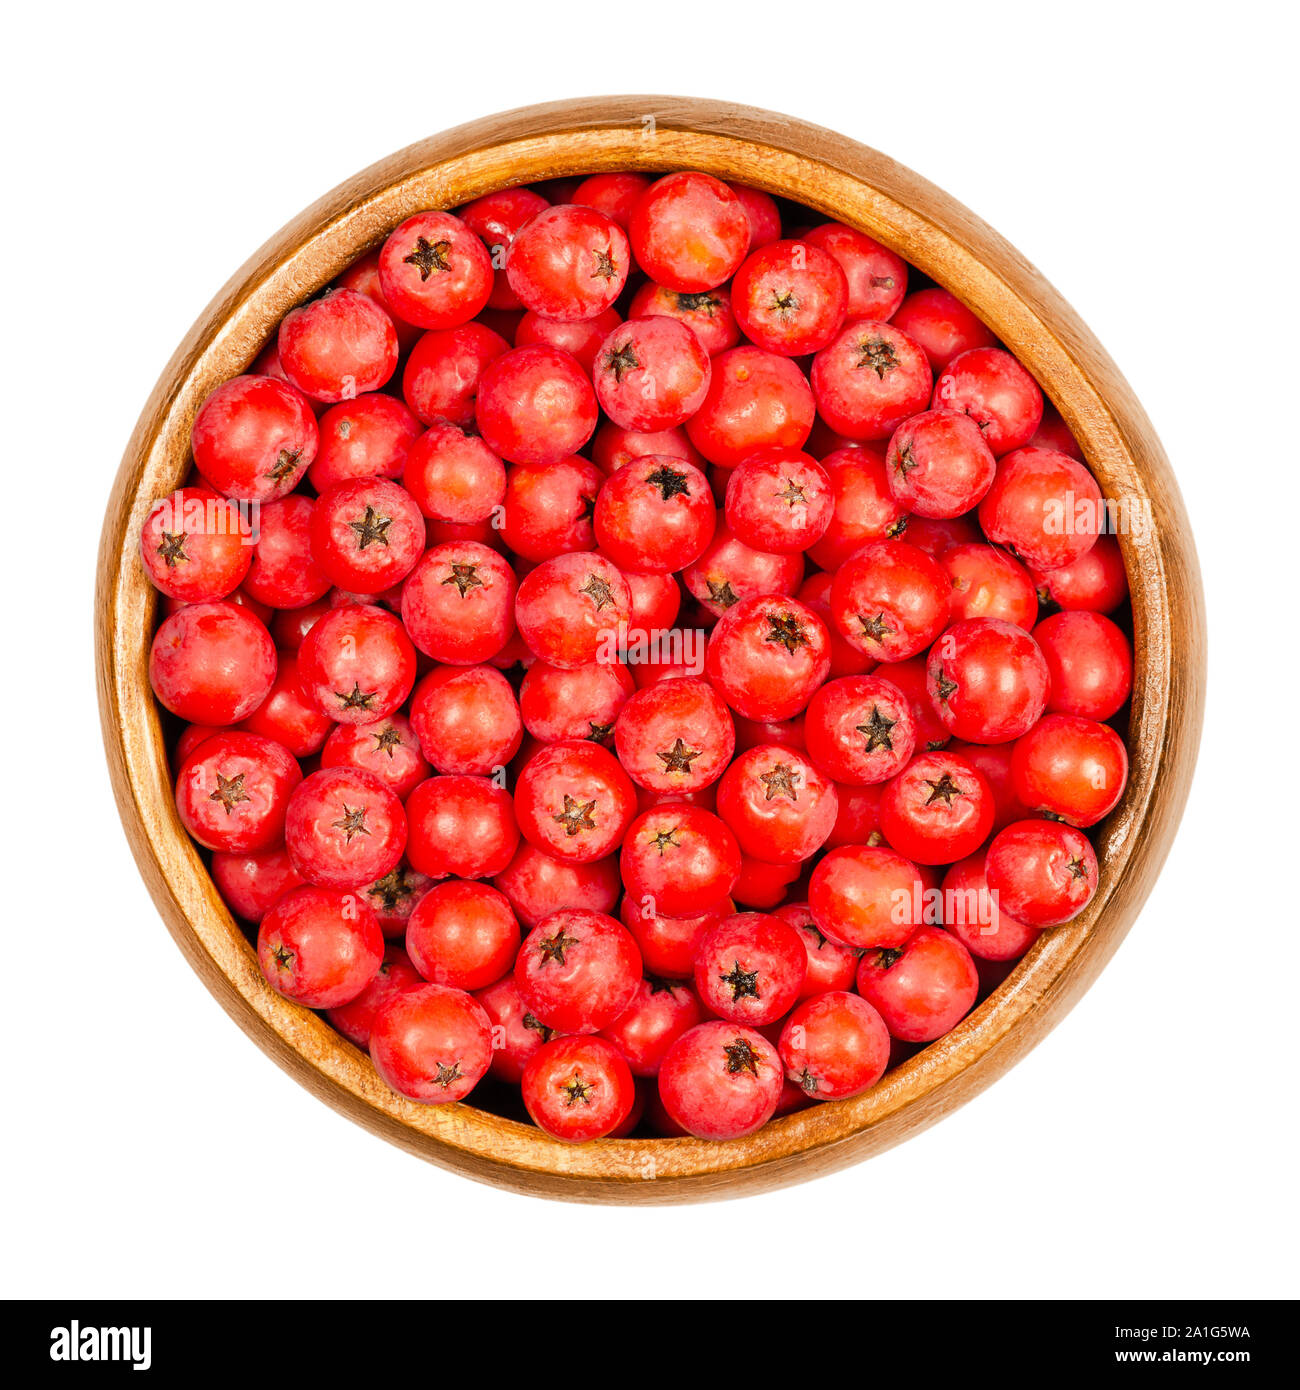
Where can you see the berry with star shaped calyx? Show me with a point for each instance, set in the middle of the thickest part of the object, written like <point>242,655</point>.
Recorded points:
<point>750,968</point>
<point>578,1088</point>
<point>367,534</point>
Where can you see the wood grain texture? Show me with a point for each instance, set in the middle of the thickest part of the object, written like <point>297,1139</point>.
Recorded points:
<point>858,186</point>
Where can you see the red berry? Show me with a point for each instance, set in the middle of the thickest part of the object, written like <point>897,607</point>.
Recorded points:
<point>1043,872</point>
<point>923,989</point>
<point>750,968</point>
<point>778,805</point>
<point>675,736</point>
<point>613,448</point>
<point>651,374</point>
<point>460,826</point>
<point>570,610</point>
<point>972,914</point>
<point>363,438</point>
<point>366,535</point>
<point>987,679</point>
<point>669,945</point>
<point>233,790</point>
<point>549,508</point>
<point>357,664</point>
<point>431,1043</point>
<point>195,545</point>
<point>538,884</point>
<point>441,379</point>
<point>679,860</point>
<point>344,828</point>
<point>889,600</point>
<point>1094,583</point>
<point>937,810</point>
<point>253,881</point>
<point>779,500</point>
<point>1089,663</point>
<point>860,729</point>
<point>454,476</point>
<point>991,387</point>
<point>689,231</point>
<point>656,515</point>
<point>287,716</point>
<point>613,194</point>
<point>942,325</point>
<point>864,508</point>
<point>910,678</point>
<point>762,213</point>
<point>755,399</point>
<point>660,1012</point>
<point>434,271</point>
<point>463,935</point>
<point>284,572</point>
<point>212,663</point>
<point>790,297</point>
<point>580,703</point>
<point>535,405</point>
<point>467,719</point>
<point>875,277</point>
<point>337,347</point>
<point>581,338</point>
<point>574,801</point>
<point>577,1088</point>
<point>993,762</point>
<point>863,896</point>
<point>869,379</point>
<point>1043,506</point>
<point>729,570</point>
<point>568,262</point>
<point>989,583</point>
<point>254,437</point>
<point>356,1018</point>
<point>516,1034</point>
<point>834,1046</point>
<point>578,970</point>
<point>363,276</point>
<point>386,748</point>
<point>496,219</point>
<point>319,947</point>
<point>707,313</point>
<point>1070,767</point>
<point>830,966</point>
<point>938,464</point>
<point>395,896</point>
<point>767,655</point>
<point>720,1081</point>
<point>458,603</point>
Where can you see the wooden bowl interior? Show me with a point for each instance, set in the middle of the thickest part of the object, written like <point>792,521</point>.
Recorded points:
<point>844,181</point>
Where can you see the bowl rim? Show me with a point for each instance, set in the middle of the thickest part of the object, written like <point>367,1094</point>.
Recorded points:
<point>846,181</point>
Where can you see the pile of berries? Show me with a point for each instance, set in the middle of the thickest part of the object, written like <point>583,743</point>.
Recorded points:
<point>606,630</point>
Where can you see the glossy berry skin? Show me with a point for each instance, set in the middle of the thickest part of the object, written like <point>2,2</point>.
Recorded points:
<point>467,719</point>
<point>720,1081</point>
<point>1043,506</point>
<point>750,968</point>
<point>651,374</point>
<point>434,272</point>
<point>614,448</point>
<point>689,231</point>
<point>431,1043</point>
<point>1070,767</point>
<point>864,896</point>
<point>356,1018</point>
<point>578,970</point>
<point>675,736</point>
<point>657,515</point>
<point>319,947</point>
<point>460,826</point>
<point>287,716</point>
<point>669,945</point>
<point>858,821</point>
<point>233,790</point>
<point>1094,583</point>
<point>767,655</point>
<point>660,1012</point>
<point>537,884</point>
<point>581,338</point>
<point>755,399</point>
<point>535,405</point>
<point>254,437</point>
<point>815,593</point>
<point>366,535</point>
<point>1001,397</point>
<point>252,881</point>
<point>356,664</point>
<point>987,582</point>
<point>337,347</point>
<point>790,297</point>
<point>924,989</point>
<point>830,966</point>
<point>458,603</point>
<point>860,730</point>
<point>453,476</point>
<point>974,917</point>
<point>548,508</point>
<point>613,194</point>
<point>937,810</point>
<point>463,935</point>
<point>1089,664</point>
<point>987,680</point>
<point>386,748</point>
<point>679,860</point>
<point>876,278</point>
<point>762,212</point>
<point>363,276</point>
<point>284,573</point>
<point>834,1046</point>
<point>363,438</point>
<point>1043,872</point>
<point>568,262</point>
<point>574,801</point>
<point>570,610</point>
<point>942,325</point>
<point>395,896</point>
<point>993,762</point>
<point>583,702</point>
<point>938,464</point>
<point>869,379</point>
<point>778,804</point>
<point>516,1033</point>
<point>344,828</point>
<point>496,219</point>
<point>729,570</point>
<point>864,508</point>
<point>578,1089</point>
<point>708,313</point>
<point>212,663</point>
<point>779,500</point>
<point>195,546</point>
<point>889,600</point>
<point>441,378</point>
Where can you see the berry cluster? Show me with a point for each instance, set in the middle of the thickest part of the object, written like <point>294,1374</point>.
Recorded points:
<point>690,570</point>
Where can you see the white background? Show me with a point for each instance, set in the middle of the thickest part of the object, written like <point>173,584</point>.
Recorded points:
<point>1143,156</point>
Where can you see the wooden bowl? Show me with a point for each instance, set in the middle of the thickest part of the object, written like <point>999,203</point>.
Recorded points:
<point>845,181</point>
